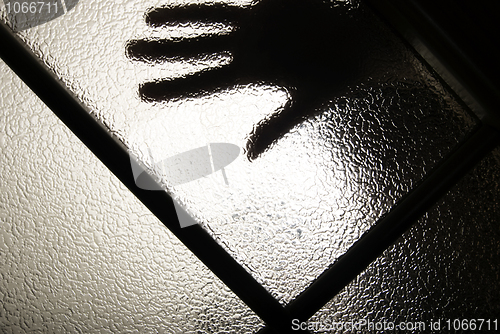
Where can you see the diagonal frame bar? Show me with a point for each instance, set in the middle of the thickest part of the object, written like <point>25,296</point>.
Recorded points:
<point>389,228</point>
<point>114,155</point>
<point>278,318</point>
<point>482,95</point>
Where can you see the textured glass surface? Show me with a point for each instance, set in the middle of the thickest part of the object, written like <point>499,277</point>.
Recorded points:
<point>79,253</point>
<point>447,266</point>
<point>292,211</point>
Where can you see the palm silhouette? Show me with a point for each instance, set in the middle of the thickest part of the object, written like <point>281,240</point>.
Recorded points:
<point>313,48</point>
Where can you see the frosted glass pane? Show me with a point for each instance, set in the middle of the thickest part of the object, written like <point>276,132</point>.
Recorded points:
<point>372,120</point>
<point>445,267</point>
<point>79,253</point>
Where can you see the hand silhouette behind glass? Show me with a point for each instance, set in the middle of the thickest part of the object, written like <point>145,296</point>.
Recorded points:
<point>311,47</point>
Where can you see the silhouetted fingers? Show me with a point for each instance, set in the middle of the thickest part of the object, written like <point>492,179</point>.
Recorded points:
<point>161,50</point>
<point>270,130</point>
<point>193,85</point>
<point>194,13</point>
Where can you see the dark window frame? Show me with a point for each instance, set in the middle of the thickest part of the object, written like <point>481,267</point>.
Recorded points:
<point>405,17</point>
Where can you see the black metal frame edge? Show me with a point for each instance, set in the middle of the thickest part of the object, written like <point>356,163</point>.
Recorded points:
<point>344,270</point>
<point>114,156</point>
<point>398,220</point>
<point>412,22</point>
<point>428,27</point>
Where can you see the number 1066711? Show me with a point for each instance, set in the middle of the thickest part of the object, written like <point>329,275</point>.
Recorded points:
<point>472,324</point>
<point>33,7</point>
